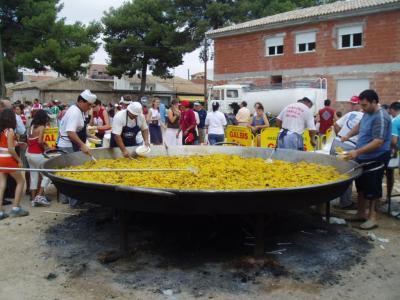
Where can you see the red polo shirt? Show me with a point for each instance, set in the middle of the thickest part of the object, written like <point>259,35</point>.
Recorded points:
<point>187,119</point>
<point>326,119</point>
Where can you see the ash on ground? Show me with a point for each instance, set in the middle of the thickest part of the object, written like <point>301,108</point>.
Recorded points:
<point>200,254</point>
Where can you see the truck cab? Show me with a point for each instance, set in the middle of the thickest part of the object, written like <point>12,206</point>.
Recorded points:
<point>226,95</point>
<point>273,99</point>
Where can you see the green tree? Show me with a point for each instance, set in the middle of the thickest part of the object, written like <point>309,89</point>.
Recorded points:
<point>33,37</point>
<point>144,34</point>
<point>254,9</point>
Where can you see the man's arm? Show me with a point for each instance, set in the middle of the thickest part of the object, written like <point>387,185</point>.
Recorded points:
<point>394,142</point>
<point>74,138</point>
<point>370,147</point>
<point>335,116</point>
<point>354,131</point>
<point>337,128</point>
<point>192,122</point>
<point>121,145</point>
<point>146,139</point>
<point>395,136</point>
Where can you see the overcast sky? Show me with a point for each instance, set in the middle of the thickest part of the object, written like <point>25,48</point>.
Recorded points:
<point>88,10</point>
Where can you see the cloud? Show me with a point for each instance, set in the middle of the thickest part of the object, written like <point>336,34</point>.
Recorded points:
<point>88,10</point>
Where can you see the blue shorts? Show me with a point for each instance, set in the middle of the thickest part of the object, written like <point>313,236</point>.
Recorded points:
<point>370,184</point>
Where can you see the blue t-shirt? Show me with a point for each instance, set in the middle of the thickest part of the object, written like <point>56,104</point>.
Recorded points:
<point>396,129</point>
<point>375,126</point>
<point>202,116</point>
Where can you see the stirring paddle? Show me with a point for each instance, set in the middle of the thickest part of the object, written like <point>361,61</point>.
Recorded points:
<point>189,169</point>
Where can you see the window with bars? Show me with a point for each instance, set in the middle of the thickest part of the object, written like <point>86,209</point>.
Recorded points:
<point>350,37</point>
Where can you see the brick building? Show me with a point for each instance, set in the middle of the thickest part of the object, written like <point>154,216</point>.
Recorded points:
<point>355,44</point>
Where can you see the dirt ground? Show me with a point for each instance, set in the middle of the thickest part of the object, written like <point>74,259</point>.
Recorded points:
<point>50,255</point>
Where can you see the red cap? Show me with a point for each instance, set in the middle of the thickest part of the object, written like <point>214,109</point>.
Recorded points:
<point>354,100</point>
<point>185,103</point>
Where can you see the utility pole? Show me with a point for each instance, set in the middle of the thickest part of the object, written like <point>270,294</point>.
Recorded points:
<point>2,79</point>
<point>205,68</point>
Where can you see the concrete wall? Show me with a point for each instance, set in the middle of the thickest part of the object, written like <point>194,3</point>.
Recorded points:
<point>25,95</point>
<point>125,84</point>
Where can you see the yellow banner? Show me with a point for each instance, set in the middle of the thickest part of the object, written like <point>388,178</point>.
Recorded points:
<point>239,134</point>
<point>191,98</point>
<point>50,136</point>
<point>307,141</point>
<point>269,138</point>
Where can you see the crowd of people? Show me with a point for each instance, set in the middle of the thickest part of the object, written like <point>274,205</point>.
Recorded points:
<point>365,132</point>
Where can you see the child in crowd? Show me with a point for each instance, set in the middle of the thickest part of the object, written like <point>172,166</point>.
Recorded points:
<point>34,155</point>
<point>9,158</point>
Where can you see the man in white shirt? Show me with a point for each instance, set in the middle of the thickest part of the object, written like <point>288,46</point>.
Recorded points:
<point>243,115</point>
<point>342,127</point>
<point>293,120</point>
<point>72,132</point>
<point>126,126</point>
<point>345,124</point>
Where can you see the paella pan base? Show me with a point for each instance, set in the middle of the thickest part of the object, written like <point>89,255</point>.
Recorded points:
<point>202,201</point>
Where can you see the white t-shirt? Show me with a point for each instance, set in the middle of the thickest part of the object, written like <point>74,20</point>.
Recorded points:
<point>243,115</point>
<point>155,114</point>
<point>347,122</point>
<point>297,117</point>
<point>73,120</point>
<point>215,122</point>
<point>120,121</point>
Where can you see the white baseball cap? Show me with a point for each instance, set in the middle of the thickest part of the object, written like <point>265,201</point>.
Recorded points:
<point>88,96</point>
<point>135,108</point>
<point>123,101</point>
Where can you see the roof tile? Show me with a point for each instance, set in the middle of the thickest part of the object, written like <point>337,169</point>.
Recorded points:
<point>294,15</point>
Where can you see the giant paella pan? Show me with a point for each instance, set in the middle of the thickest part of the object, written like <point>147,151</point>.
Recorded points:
<point>187,201</point>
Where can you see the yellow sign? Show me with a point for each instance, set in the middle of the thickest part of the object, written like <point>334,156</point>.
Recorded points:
<point>50,136</point>
<point>191,98</point>
<point>307,141</point>
<point>269,138</point>
<point>239,134</point>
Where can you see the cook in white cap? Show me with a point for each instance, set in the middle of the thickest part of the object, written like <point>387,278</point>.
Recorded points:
<point>126,125</point>
<point>72,130</point>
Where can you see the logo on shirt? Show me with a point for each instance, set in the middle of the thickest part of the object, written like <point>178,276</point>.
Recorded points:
<point>326,115</point>
<point>352,121</point>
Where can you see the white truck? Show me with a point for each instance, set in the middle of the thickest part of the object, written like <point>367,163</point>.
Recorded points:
<point>273,99</point>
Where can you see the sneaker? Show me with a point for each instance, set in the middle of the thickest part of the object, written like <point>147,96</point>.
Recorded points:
<point>42,200</point>
<point>18,212</point>
<point>35,202</point>
<point>368,225</point>
<point>3,215</point>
